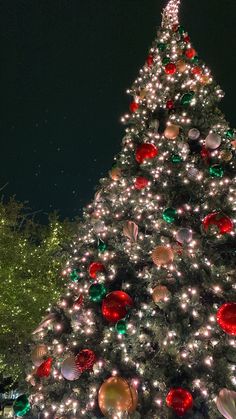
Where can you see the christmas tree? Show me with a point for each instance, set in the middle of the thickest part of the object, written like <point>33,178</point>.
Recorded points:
<point>147,325</point>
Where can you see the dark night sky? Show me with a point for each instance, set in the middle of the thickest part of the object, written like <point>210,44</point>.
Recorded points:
<point>65,66</point>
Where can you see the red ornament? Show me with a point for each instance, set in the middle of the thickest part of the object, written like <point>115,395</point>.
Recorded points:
<point>205,154</point>
<point>95,268</point>
<point>190,53</point>
<point>85,360</point>
<point>223,222</point>
<point>196,70</point>
<point>115,306</point>
<point>150,60</point>
<point>146,151</point>
<point>140,183</point>
<point>44,369</point>
<point>78,302</point>
<point>180,400</point>
<point>226,318</point>
<point>187,39</point>
<point>175,27</point>
<point>134,106</point>
<point>170,68</point>
<point>170,104</point>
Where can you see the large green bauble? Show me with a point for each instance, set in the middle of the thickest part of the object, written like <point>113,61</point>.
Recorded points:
<point>121,327</point>
<point>97,292</point>
<point>169,215</point>
<point>165,60</point>
<point>216,170</point>
<point>102,247</point>
<point>21,405</point>
<point>187,98</point>
<point>74,275</point>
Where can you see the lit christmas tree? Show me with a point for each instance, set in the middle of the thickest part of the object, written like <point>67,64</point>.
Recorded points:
<point>147,326</point>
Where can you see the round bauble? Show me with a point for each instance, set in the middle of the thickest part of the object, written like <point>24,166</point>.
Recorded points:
<point>187,98</point>
<point>96,268</point>
<point>219,221</point>
<point>190,53</point>
<point>145,151</point>
<point>162,255</point>
<point>134,106</point>
<point>116,305</point>
<point>194,134</point>
<point>121,327</point>
<point>226,403</point>
<point>117,395</point>
<point>181,66</point>
<point>21,406</point>
<point>170,68</point>
<point>216,170</point>
<point>69,370</point>
<point>184,235</point>
<point>197,71</point>
<point>38,354</point>
<point>140,183</point>
<point>170,104</point>
<point>115,173</point>
<point>44,370</point>
<point>169,215</point>
<point>226,155</point>
<point>85,360</point>
<point>171,132</point>
<point>180,400</point>
<point>213,141</point>
<point>226,318</point>
<point>160,294</point>
<point>97,292</point>
<point>205,79</point>
<point>150,60</point>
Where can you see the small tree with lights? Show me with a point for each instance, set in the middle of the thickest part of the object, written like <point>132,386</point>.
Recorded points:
<point>147,325</point>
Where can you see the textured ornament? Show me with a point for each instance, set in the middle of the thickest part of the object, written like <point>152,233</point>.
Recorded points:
<point>226,155</point>
<point>121,327</point>
<point>117,396</point>
<point>176,159</point>
<point>230,134</point>
<point>180,400</point>
<point>190,53</point>
<point>184,235</point>
<point>171,132</point>
<point>205,153</point>
<point>134,106</point>
<point>216,170</point>
<point>44,370</point>
<point>74,275</point>
<point>69,370</point>
<point>96,268</point>
<point>115,173</point>
<point>140,183</point>
<point>170,104</point>
<point>102,247</point>
<point>38,354</point>
<point>160,294</point>
<point>205,79</point>
<point>130,231</point>
<point>21,406</point>
<point>97,292</point>
<point>116,305</point>
<point>226,403</point>
<point>213,141</point>
<point>150,60</point>
<point>162,255</point>
<point>78,302</point>
<point>145,151</point>
<point>181,66</point>
<point>170,68</point>
<point>219,220</point>
<point>169,215</point>
<point>193,134</point>
<point>45,323</point>
<point>197,71</point>
<point>85,360</point>
<point>226,318</point>
<point>187,98</point>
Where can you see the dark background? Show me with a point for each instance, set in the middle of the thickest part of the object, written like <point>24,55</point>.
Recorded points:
<point>65,66</point>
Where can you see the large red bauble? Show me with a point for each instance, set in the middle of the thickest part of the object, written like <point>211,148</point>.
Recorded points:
<point>170,68</point>
<point>115,306</point>
<point>150,60</point>
<point>223,222</point>
<point>95,268</point>
<point>146,151</point>
<point>44,369</point>
<point>180,400</point>
<point>85,360</point>
<point>133,107</point>
<point>190,53</point>
<point>140,182</point>
<point>226,318</point>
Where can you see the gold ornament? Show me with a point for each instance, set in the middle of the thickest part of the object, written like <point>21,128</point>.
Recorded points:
<point>130,230</point>
<point>226,403</point>
<point>160,294</point>
<point>226,155</point>
<point>115,173</point>
<point>205,79</point>
<point>181,66</point>
<point>116,395</point>
<point>171,132</point>
<point>143,93</point>
<point>162,255</point>
<point>38,354</point>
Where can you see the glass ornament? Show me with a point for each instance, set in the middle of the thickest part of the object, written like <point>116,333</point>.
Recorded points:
<point>145,151</point>
<point>134,106</point>
<point>180,400</point>
<point>121,327</point>
<point>169,215</point>
<point>140,183</point>
<point>162,255</point>
<point>213,141</point>
<point>44,370</point>
<point>171,132</point>
<point>216,170</point>
<point>217,219</point>
<point>184,235</point>
<point>117,395</point>
<point>187,98</point>
<point>160,294</point>
<point>226,318</point>
<point>21,406</point>
<point>69,370</point>
<point>95,268</point>
<point>170,68</point>
<point>226,403</point>
<point>97,292</point>
<point>176,159</point>
<point>85,360</point>
<point>194,134</point>
<point>115,306</point>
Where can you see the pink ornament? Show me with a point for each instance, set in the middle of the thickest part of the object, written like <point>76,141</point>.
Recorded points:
<point>130,230</point>
<point>226,403</point>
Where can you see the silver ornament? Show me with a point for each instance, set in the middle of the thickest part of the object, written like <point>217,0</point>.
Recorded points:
<point>69,370</point>
<point>193,134</point>
<point>226,403</point>
<point>213,141</point>
<point>184,235</point>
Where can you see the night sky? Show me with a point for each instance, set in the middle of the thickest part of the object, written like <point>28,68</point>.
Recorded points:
<point>65,66</point>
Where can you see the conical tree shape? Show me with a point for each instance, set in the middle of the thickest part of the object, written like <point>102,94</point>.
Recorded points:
<point>147,325</point>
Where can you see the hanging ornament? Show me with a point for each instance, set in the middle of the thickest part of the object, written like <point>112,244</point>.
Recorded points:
<point>230,134</point>
<point>233,144</point>
<point>226,318</point>
<point>170,104</point>
<point>150,60</point>
<point>117,395</point>
<point>38,354</point>
<point>21,406</point>
<point>115,173</point>
<point>130,230</point>
<point>99,226</point>
<point>44,370</point>
<point>140,183</point>
<point>176,159</point>
<point>194,134</point>
<point>187,98</point>
<point>134,106</point>
<point>121,327</point>
<point>143,93</point>
<point>181,30</point>
<point>162,255</point>
<point>205,79</point>
<point>216,170</point>
<point>161,46</point>
<point>165,60</point>
<point>85,360</point>
<point>184,235</point>
<point>180,400</point>
<point>205,154</point>
<point>219,220</point>
<point>181,66</point>
<point>226,403</point>
<point>187,39</point>
<point>95,268</point>
<point>169,215</point>
<point>190,53</point>
<point>97,292</point>
<point>102,247</point>
<point>160,294</point>
<point>116,305</point>
<point>74,275</point>
<point>78,302</point>
<point>170,68</point>
<point>175,27</point>
<point>226,155</point>
<point>171,132</point>
<point>197,71</point>
<point>69,370</point>
<point>45,323</point>
<point>213,141</point>
<point>145,151</point>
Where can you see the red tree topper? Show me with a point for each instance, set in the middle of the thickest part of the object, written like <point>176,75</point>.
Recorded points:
<point>115,306</point>
<point>180,400</point>
<point>226,318</point>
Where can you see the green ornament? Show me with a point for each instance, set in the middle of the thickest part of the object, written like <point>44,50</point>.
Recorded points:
<point>187,98</point>
<point>102,247</point>
<point>181,30</point>
<point>97,292</point>
<point>169,215</point>
<point>121,327</point>
<point>165,60</point>
<point>230,133</point>
<point>176,159</point>
<point>195,59</point>
<point>74,275</point>
<point>216,170</point>
<point>161,46</point>
<point>21,405</point>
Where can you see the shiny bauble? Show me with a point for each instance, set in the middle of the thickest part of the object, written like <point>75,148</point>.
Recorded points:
<point>190,53</point>
<point>205,79</point>
<point>213,141</point>
<point>230,133</point>
<point>21,406</point>
<point>187,98</point>
<point>180,400</point>
<point>44,370</point>
<point>169,215</point>
<point>160,294</point>
<point>170,104</point>
<point>97,292</point>
<point>117,395</point>
<point>181,66</point>
<point>38,354</point>
<point>121,327</point>
<point>218,221</point>
<point>184,235</point>
<point>116,305</point>
<point>197,71</point>
<point>145,151</point>
<point>95,268</point>
<point>171,132</point>
<point>142,93</point>
<point>150,60</point>
<point>133,107</point>
<point>85,360</point>
<point>115,173</point>
<point>226,318</point>
<point>170,68</point>
<point>226,403</point>
<point>140,183</point>
<point>193,134</point>
<point>226,155</point>
<point>216,170</point>
<point>130,230</point>
<point>99,226</point>
<point>69,370</point>
<point>162,255</point>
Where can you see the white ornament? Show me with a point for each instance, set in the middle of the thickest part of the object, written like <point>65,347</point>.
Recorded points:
<point>69,370</point>
<point>130,230</point>
<point>226,403</point>
<point>194,134</point>
<point>213,141</point>
<point>99,226</point>
<point>44,323</point>
<point>184,235</point>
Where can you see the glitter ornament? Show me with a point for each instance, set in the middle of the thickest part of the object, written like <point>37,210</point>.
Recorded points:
<point>216,219</point>
<point>134,106</point>
<point>140,183</point>
<point>216,170</point>
<point>170,68</point>
<point>213,141</point>
<point>69,370</point>
<point>160,294</point>
<point>38,354</point>
<point>130,230</point>
<point>184,235</point>
<point>226,403</point>
<point>116,305</point>
<point>169,215</point>
<point>95,268</point>
<point>161,46</point>
<point>226,318</point>
<point>97,292</point>
<point>180,400</point>
<point>171,132</point>
<point>187,98</point>
<point>145,151</point>
<point>21,406</point>
<point>74,275</point>
<point>170,104</point>
<point>121,327</point>
<point>115,173</point>
<point>85,360</point>
<point>165,60</point>
<point>226,155</point>
<point>117,395</point>
<point>197,71</point>
<point>150,60</point>
<point>230,134</point>
<point>102,247</point>
<point>162,255</point>
<point>194,134</point>
<point>190,53</point>
<point>44,370</point>
<point>176,159</point>
<point>181,66</point>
